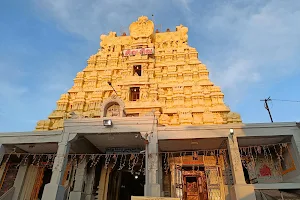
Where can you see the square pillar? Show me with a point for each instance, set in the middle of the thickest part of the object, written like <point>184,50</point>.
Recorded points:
<point>2,164</point>
<point>2,152</point>
<point>90,183</point>
<point>244,192</point>
<point>80,179</point>
<point>19,181</point>
<point>152,186</point>
<point>235,160</point>
<point>54,190</point>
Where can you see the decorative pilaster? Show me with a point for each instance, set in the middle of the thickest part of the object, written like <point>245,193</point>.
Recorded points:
<point>152,186</point>
<point>54,190</point>
<point>78,192</point>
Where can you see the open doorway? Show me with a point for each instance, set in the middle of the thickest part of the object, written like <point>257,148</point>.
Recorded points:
<point>123,184</point>
<point>131,185</point>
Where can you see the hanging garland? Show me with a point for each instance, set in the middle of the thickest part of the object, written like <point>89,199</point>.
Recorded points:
<point>264,161</point>
<point>43,160</point>
<point>129,161</point>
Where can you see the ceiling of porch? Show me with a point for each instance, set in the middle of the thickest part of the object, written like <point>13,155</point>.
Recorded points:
<point>38,148</point>
<point>123,140</point>
<point>192,144</point>
<point>262,140</point>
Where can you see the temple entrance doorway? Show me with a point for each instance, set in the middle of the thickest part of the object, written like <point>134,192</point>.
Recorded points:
<point>131,185</point>
<point>123,184</point>
<point>194,184</point>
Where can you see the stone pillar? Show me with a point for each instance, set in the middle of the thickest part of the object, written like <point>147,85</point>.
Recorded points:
<point>54,190</point>
<point>19,181</point>
<point>2,152</point>
<point>160,175</point>
<point>242,191</point>
<point>78,192</point>
<point>235,161</point>
<point>103,183</point>
<point>2,165</point>
<point>90,184</point>
<point>152,186</point>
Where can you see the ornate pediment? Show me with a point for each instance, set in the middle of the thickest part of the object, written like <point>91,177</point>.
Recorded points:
<point>143,27</point>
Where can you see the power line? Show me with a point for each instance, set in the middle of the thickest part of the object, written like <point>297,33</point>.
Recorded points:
<point>285,100</point>
<point>269,99</point>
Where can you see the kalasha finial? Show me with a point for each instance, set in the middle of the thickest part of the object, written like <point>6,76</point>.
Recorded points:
<point>142,18</point>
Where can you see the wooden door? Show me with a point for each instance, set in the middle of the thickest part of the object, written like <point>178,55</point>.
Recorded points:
<point>191,187</point>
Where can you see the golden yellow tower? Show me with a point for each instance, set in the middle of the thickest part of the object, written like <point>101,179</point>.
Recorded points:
<point>150,71</point>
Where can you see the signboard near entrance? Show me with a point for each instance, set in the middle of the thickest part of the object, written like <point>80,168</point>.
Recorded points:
<point>142,51</point>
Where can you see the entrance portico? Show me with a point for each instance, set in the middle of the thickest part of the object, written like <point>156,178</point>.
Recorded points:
<point>126,132</point>
<point>91,138</point>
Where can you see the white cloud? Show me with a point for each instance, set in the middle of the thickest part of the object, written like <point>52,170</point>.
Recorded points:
<point>259,42</point>
<point>92,18</point>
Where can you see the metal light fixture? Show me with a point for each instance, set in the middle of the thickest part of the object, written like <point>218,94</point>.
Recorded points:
<point>107,122</point>
<point>231,131</point>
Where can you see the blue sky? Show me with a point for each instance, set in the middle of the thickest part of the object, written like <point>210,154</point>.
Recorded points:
<point>251,48</point>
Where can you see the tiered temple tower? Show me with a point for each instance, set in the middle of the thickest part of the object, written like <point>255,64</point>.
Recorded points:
<point>151,72</point>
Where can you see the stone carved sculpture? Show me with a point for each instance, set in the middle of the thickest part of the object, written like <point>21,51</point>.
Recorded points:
<point>181,81</point>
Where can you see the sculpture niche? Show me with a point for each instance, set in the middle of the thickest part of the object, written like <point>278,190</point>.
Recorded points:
<point>113,107</point>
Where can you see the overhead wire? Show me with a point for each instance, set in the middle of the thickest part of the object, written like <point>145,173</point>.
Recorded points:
<point>294,101</point>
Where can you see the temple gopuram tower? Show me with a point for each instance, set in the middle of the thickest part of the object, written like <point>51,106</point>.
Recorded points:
<point>151,71</point>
